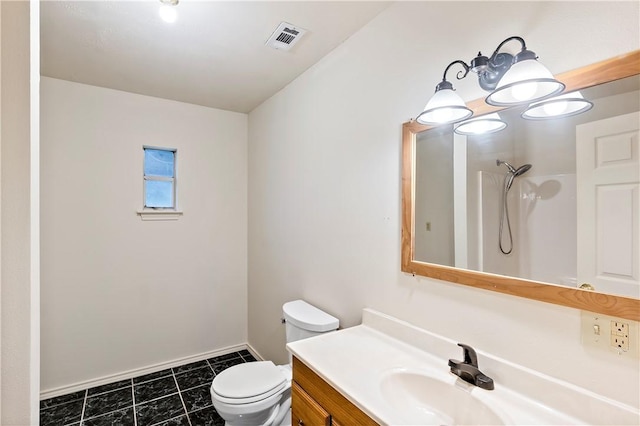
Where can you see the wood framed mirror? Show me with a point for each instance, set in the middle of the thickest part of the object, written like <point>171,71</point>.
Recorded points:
<point>613,69</point>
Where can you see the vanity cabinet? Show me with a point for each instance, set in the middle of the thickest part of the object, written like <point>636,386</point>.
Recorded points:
<point>305,410</point>
<point>317,403</point>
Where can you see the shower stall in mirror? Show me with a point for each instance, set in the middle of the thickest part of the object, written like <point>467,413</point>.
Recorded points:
<point>462,217</point>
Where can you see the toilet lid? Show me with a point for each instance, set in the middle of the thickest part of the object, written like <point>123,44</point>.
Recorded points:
<point>249,380</point>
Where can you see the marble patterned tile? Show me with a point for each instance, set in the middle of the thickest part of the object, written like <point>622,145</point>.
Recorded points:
<point>197,398</point>
<point>155,389</point>
<point>159,410</point>
<point>219,367</point>
<point>112,404</point>
<point>248,357</point>
<point>195,378</point>
<point>115,418</point>
<point>152,376</point>
<point>62,414</point>
<point>178,421</point>
<point>107,402</point>
<point>243,353</point>
<point>62,399</point>
<point>190,366</point>
<point>109,387</point>
<point>223,358</point>
<point>206,417</point>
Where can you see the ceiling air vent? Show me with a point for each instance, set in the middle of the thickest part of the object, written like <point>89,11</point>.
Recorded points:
<point>285,36</point>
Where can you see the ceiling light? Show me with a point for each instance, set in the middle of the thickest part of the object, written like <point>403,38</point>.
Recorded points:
<point>512,80</point>
<point>560,106</point>
<point>482,125</point>
<point>168,11</point>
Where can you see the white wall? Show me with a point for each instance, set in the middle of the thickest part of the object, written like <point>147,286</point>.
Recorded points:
<point>119,293</point>
<point>18,210</point>
<point>434,203</point>
<point>324,182</point>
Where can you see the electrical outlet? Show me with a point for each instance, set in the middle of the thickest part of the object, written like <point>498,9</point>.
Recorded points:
<point>617,335</point>
<point>620,342</point>
<point>619,328</point>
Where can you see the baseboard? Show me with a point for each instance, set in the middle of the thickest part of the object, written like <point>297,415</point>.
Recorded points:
<point>63,390</point>
<point>254,352</point>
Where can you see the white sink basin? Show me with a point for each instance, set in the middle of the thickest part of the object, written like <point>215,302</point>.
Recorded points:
<point>422,399</point>
<point>397,374</point>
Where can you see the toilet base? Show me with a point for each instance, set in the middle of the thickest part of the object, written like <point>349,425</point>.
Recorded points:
<point>285,422</point>
<point>287,419</point>
<point>264,412</point>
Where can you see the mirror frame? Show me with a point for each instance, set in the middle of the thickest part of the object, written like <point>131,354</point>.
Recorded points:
<point>618,306</point>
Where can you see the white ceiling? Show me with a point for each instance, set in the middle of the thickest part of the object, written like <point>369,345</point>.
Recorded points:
<point>213,55</point>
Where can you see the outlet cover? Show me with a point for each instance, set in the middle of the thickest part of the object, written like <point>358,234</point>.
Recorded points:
<point>617,335</point>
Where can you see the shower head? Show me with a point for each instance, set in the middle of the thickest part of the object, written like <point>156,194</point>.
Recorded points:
<point>515,172</point>
<point>521,170</point>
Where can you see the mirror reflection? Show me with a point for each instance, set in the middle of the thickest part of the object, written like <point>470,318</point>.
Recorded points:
<point>555,201</point>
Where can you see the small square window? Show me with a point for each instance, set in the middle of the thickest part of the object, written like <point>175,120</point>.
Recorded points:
<point>159,178</point>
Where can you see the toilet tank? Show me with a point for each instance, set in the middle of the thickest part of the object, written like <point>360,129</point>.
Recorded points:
<point>304,320</point>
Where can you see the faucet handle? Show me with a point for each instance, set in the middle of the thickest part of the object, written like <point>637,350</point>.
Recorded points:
<point>485,382</point>
<point>470,356</point>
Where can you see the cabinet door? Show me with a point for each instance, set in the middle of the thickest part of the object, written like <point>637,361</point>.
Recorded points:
<point>305,411</point>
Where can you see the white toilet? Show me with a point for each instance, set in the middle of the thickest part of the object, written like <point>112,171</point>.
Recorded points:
<point>259,393</point>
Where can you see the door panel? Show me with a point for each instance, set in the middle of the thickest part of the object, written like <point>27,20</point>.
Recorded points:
<point>608,202</point>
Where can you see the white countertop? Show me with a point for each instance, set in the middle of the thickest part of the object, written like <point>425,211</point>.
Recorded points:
<point>356,360</point>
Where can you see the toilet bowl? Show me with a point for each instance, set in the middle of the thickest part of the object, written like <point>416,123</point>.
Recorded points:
<point>259,393</point>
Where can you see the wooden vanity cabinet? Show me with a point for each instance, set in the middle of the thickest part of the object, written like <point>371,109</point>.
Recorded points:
<point>317,403</point>
<point>306,411</point>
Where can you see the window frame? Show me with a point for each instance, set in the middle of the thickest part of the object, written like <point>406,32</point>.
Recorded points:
<point>160,213</point>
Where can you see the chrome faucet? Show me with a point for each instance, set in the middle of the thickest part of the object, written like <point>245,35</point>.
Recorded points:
<point>468,370</point>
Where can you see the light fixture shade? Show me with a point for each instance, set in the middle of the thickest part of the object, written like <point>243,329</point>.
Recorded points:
<point>482,125</point>
<point>559,106</point>
<point>445,106</point>
<point>168,13</point>
<point>526,81</point>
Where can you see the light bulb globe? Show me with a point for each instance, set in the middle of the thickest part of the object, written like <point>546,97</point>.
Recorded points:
<point>168,13</point>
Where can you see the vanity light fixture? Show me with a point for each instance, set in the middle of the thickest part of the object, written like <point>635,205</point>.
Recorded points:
<point>557,107</point>
<point>512,80</point>
<point>526,80</point>
<point>168,11</point>
<point>482,125</point>
<point>445,106</point>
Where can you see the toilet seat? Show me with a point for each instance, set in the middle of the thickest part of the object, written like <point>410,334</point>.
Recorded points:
<point>247,383</point>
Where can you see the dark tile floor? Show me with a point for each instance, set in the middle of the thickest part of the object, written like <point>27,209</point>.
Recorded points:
<point>173,397</point>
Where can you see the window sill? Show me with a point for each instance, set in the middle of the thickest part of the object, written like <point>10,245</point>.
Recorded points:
<point>159,214</point>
